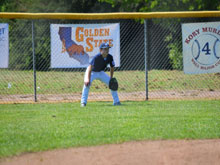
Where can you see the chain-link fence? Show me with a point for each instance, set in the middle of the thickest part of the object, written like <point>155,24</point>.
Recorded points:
<point>151,64</point>
<point>165,62</point>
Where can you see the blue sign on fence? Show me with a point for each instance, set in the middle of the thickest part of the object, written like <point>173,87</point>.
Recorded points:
<point>4,45</point>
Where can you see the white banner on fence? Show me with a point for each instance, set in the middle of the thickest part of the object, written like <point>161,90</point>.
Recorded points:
<point>74,45</point>
<point>201,47</point>
<point>4,45</point>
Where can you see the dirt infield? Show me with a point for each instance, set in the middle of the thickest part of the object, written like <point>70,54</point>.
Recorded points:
<point>164,152</point>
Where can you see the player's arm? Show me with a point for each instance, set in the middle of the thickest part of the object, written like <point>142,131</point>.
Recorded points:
<point>88,75</point>
<point>111,72</point>
<point>112,65</point>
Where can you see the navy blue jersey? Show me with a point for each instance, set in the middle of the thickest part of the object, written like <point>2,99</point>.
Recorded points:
<point>99,63</point>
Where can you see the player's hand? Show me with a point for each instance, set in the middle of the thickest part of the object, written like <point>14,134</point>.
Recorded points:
<point>75,50</point>
<point>87,83</point>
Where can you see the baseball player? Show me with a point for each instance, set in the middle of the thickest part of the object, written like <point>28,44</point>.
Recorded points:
<point>95,70</point>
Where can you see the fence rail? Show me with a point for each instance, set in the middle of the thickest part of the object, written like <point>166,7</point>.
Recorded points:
<point>116,15</point>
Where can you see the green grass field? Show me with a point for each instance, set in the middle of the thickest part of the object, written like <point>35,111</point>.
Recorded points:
<point>55,82</point>
<point>40,127</point>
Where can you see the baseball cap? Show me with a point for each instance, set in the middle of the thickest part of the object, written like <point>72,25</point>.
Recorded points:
<point>104,45</point>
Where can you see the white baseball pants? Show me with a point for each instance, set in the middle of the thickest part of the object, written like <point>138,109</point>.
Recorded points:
<point>102,76</point>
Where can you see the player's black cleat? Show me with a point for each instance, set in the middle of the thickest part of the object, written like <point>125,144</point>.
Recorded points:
<point>83,104</point>
<point>118,103</point>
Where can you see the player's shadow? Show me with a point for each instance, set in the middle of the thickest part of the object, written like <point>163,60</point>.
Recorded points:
<point>127,104</point>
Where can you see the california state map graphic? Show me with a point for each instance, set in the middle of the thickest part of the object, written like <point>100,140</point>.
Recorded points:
<point>68,45</point>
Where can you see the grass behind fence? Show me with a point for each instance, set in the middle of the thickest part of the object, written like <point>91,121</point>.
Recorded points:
<point>55,82</point>
<point>39,127</point>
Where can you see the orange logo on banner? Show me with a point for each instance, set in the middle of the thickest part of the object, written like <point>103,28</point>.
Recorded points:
<point>81,33</point>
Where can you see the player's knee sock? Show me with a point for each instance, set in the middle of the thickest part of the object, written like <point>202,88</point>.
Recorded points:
<point>85,94</point>
<point>115,96</point>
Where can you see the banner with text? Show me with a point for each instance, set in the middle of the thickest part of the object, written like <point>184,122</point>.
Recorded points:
<point>74,45</point>
<point>201,47</point>
<point>4,45</point>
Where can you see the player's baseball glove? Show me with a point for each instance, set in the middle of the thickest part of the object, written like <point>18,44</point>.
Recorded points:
<point>113,84</point>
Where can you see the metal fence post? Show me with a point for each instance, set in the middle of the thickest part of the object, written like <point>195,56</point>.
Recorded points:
<point>146,52</point>
<point>34,67</point>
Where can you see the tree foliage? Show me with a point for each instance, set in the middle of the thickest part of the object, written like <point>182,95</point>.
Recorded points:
<point>164,5</point>
<point>73,6</point>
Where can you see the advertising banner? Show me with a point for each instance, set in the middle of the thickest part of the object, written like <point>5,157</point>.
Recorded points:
<point>201,47</point>
<point>74,45</point>
<point>4,45</point>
